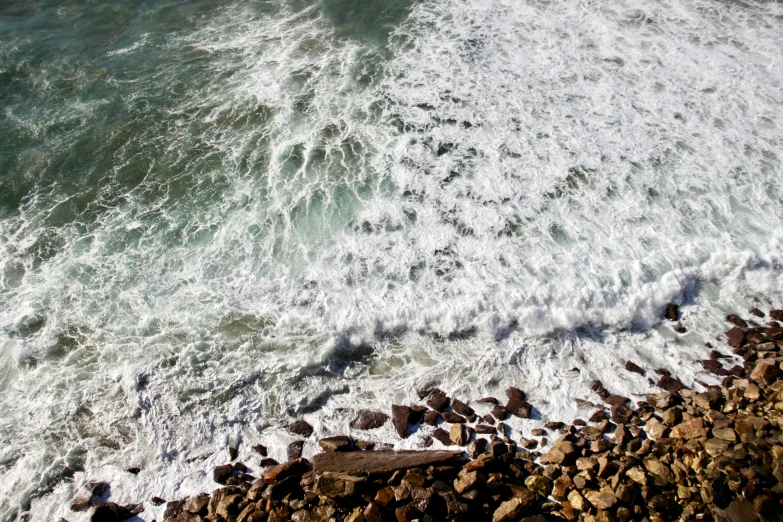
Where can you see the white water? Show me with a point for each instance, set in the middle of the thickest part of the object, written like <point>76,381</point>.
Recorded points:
<point>598,160</point>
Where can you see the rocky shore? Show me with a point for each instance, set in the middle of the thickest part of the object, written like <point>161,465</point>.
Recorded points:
<point>681,454</point>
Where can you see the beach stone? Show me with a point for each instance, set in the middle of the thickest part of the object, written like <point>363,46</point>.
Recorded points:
<point>510,510</point>
<point>736,320</point>
<point>400,418</point>
<point>477,447</point>
<point>373,513</point>
<point>369,420</point>
<point>431,418</point>
<point>365,445</point>
<point>467,480</point>
<point>462,408</point>
<point>335,443</point>
<point>301,427</point>
<point>621,413</point>
<point>439,402</point>
<point>294,450</point>
<point>483,429</point>
<point>457,434</point>
<point>725,433</point>
<point>670,384</point>
<point>600,499</point>
<point>497,448</point>
<point>655,428</point>
<point>222,473</point>
<point>765,372</point>
<point>489,400</point>
<point>293,468</point>
<point>735,337</point>
<point>228,506</point>
<point>265,463</point>
<point>716,447</point>
<point>539,484</point>
<point>577,501</point>
<point>441,436</point>
<point>198,504</point>
<point>379,461</point>
<point>499,412</point>
<point>451,417</point>
<point>671,312</point>
<point>691,429</point>
<point>519,408</point>
<point>777,315</point>
<point>633,367</point>
<point>338,485</point>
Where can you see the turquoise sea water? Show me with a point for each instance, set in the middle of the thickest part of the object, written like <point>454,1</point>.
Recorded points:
<point>219,216</point>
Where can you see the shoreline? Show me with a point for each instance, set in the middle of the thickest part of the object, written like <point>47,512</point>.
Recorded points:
<point>677,455</point>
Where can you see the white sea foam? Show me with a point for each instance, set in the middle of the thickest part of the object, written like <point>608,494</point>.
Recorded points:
<point>504,192</point>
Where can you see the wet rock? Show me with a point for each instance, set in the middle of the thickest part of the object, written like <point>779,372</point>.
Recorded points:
<point>400,418</point>
<point>365,445</point>
<point>477,447</point>
<point>134,470</point>
<point>260,449</point>
<point>670,384</point>
<point>265,463</point>
<point>222,473</point>
<point>439,402</point>
<point>431,418</point>
<point>766,371</point>
<point>228,506</point>
<point>91,494</point>
<point>489,400</point>
<point>106,512</point>
<point>451,417</point>
<point>379,461</point>
<point>539,484</point>
<point>294,468</point>
<point>197,505</point>
<point>467,480</point>
<point>736,320</point>
<point>462,408</point>
<point>369,420</point>
<point>335,443</point>
<point>776,315</point>
<point>633,367</point>
<point>621,413</point>
<point>301,428</point>
<point>441,436</point>
<point>157,501</point>
<point>671,312</point>
<point>499,412</point>
<point>577,501</point>
<point>691,429</point>
<point>483,429</point>
<point>519,408</point>
<point>554,426</point>
<point>294,449</point>
<point>735,337</point>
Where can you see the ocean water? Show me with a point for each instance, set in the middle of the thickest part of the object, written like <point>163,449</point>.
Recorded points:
<point>217,217</point>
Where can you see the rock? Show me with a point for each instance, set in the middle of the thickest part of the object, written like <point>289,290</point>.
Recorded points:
<point>400,418</point>
<point>657,467</point>
<point>720,493</point>
<point>441,436</point>
<point>484,429</point>
<point>735,337</point>
<point>539,484</point>
<point>736,320</point>
<point>633,367</point>
<point>462,408</point>
<point>510,510</point>
<point>757,312</point>
<point>691,429</point>
<point>497,448</point>
<point>301,427</point>
<point>335,443</point>
<point>672,416</point>
<point>725,434</point>
<point>518,407</point>
<point>467,480</point>
<point>228,506</point>
<point>600,499</point>
<point>597,416</point>
<point>379,461</point>
<point>577,501</point>
<point>265,463</point>
<point>338,485</point>
<point>365,445</point>
<point>457,434</point>
<point>293,468</point>
<point>294,449</point>
<point>197,505</point>
<point>373,513</point>
<point>655,428</point>
<point>776,315</point>
<point>369,420</point>
<point>222,473</point>
<point>554,426</point>
<point>477,447</point>
<point>431,418</point>
<point>621,413</point>
<point>499,412</point>
<point>439,402</point>
<point>670,384</point>
<point>716,447</point>
<point>451,417</point>
<point>765,371</point>
<point>671,312</point>
<point>489,400</point>
<point>106,512</point>
<point>157,501</point>
<point>515,394</point>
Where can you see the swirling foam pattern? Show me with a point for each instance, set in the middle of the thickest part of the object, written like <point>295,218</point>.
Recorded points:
<point>218,216</point>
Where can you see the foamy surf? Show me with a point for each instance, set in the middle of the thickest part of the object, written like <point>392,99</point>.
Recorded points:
<point>302,209</point>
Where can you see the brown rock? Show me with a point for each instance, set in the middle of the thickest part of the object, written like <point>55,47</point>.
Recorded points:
<point>373,513</point>
<point>633,367</point>
<point>401,417</point>
<point>467,480</point>
<point>441,436</point>
<point>379,461</point>
<point>293,468</point>
<point>499,412</point>
<point>431,418</point>
<point>301,428</point>
<point>484,429</point>
<point>510,510</point>
<point>657,467</point>
<point>757,312</point>
<point>439,402</point>
<point>197,504</point>
<point>457,434</point>
<point>577,501</point>
<point>294,449</point>
<point>600,499</point>
<point>736,337</point>
<point>222,473</point>
<point>260,449</point>
<point>369,420</point>
<point>338,485</point>
<point>519,408</point>
<point>335,443</point>
<point>670,384</point>
<point>621,413</point>
<point>776,315</point>
<point>736,320</point>
<point>228,506</point>
<point>766,371</point>
<point>691,429</point>
<point>462,408</point>
<point>477,447</point>
<point>672,313</point>
<point>451,417</point>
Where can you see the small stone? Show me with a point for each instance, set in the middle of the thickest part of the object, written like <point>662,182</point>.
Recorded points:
<point>765,372</point>
<point>467,480</point>
<point>260,449</point>
<point>736,320</point>
<point>510,510</point>
<point>457,434</point>
<point>725,433</point>
<point>431,418</point>
<point>477,447</point>
<point>401,417</point>
<point>499,412</point>
<point>621,413</point>
<point>441,436</point>
<point>439,402</point>
<point>338,485</point>
<point>736,337</point>
<point>451,417</point>
<point>539,484</point>
<point>484,429</point>
<point>335,443</point>
<point>691,429</point>
<point>462,408</point>
<point>656,467</point>
<point>670,384</point>
<point>294,449</point>
<point>577,501</point>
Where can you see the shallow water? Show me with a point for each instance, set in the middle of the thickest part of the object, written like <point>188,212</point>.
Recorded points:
<point>216,217</point>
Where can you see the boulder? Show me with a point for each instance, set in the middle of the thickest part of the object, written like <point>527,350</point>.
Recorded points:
<point>467,480</point>
<point>735,337</point>
<point>451,417</point>
<point>379,461</point>
<point>369,420</point>
<point>400,418</point>
<point>198,505</point>
<point>766,371</point>
<point>519,408</point>
<point>222,473</point>
<point>510,510</point>
<point>107,512</point>
<point>736,320</point>
<point>441,436</point>
<point>335,443</point>
<point>228,506</point>
<point>477,447</point>
<point>431,418</point>
<point>301,427</point>
<point>670,384</point>
<point>633,367</point>
<point>439,402</point>
<point>457,434</point>
<point>338,485</point>
<point>293,468</point>
<point>485,430</point>
<point>499,412</point>
<point>462,408</point>
<point>294,449</point>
